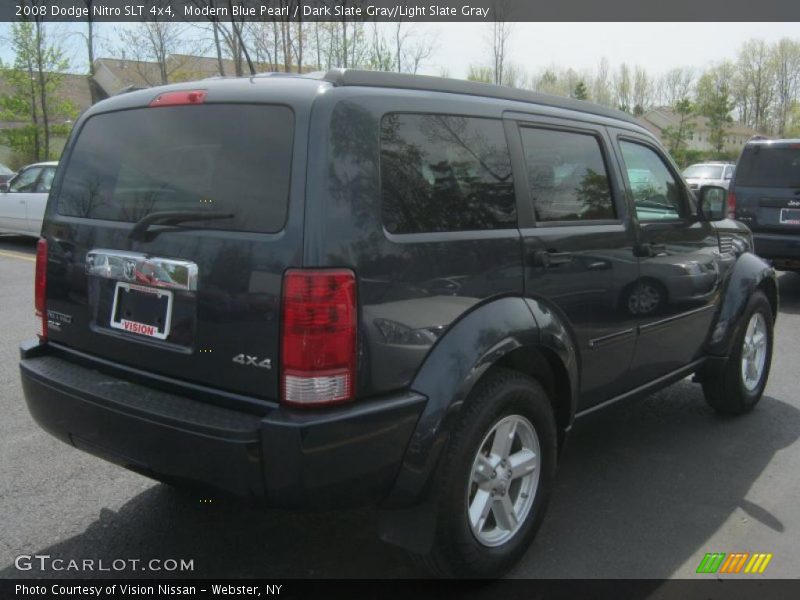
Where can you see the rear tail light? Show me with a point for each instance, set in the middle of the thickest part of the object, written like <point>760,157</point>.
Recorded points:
<point>731,205</point>
<point>179,98</point>
<point>40,288</point>
<point>318,344</point>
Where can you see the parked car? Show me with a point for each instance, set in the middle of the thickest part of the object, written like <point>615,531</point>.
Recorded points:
<point>255,313</point>
<point>712,173</point>
<point>23,199</point>
<point>765,195</point>
<point>5,173</point>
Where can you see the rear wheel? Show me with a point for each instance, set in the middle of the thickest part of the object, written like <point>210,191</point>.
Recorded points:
<point>495,479</point>
<point>738,387</point>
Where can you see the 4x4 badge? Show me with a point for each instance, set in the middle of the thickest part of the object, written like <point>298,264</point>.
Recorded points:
<point>252,361</point>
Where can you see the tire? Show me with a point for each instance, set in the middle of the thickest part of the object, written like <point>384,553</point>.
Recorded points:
<point>501,399</point>
<point>728,391</point>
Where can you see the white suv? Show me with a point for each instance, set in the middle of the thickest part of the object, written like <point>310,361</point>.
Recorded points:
<point>711,173</point>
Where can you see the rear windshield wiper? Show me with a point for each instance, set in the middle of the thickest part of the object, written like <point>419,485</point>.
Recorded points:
<point>173,217</point>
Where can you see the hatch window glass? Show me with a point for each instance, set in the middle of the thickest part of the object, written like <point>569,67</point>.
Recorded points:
<point>762,165</point>
<point>219,157</point>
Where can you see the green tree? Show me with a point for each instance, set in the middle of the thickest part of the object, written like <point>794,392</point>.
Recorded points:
<point>714,102</point>
<point>580,92</point>
<point>676,137</point>
<point>478,73</point>
<point>33,79</point>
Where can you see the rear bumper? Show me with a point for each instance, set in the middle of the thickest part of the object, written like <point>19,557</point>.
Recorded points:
<point>780,248</point>
<point>347,456</point>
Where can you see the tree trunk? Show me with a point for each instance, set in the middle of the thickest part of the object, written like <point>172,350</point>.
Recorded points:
<point>42,89</point>
<point>300,46</point>
<point>220,64</point>
<point>34,117</point>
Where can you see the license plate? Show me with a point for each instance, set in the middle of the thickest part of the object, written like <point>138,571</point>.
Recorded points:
<point>790,216</point>
<point>142,310</point>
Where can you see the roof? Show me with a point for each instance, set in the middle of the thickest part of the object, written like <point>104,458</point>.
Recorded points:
<point>355,77</point>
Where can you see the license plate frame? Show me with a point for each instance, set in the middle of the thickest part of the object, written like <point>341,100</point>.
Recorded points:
<point>793,220</point>
<point>138,327</point>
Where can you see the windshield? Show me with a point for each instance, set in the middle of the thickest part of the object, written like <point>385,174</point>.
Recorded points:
<point>4,170</point>
<point>703,172</point>
<point>217,157</point>
<point>769,166</point>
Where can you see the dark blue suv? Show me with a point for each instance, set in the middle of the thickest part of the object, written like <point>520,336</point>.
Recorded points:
<point>765,194</point>
<point>377,289</point>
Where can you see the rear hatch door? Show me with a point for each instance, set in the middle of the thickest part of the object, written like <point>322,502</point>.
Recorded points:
<point>193,296</point>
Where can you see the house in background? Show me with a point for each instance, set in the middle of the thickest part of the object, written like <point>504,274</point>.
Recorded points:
<point>116,74</point>
<point>659,119</point>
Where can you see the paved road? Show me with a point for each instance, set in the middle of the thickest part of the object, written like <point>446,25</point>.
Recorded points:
<point>644,490</point>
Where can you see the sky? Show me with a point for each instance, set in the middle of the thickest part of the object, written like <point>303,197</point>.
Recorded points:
<point>535,46</point>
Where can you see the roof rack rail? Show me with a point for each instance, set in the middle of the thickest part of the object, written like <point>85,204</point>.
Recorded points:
<point>357,77</point>
<point>310,75</point>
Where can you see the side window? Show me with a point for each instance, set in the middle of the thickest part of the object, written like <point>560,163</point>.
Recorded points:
<point>656,193</point>
<point>567,176</point>
<point>46,180</point>
<point>728,172</point>
<point>25,181</point>
<point>445,173</point>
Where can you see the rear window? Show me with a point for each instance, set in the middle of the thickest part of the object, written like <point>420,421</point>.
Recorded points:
<point>769,166</point>
<point>567,176</point>
<point>220,157</point>
<point>703,172</point>
<point>445,173</point>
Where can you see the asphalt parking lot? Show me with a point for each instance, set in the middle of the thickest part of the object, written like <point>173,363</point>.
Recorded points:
<point>644,490</point>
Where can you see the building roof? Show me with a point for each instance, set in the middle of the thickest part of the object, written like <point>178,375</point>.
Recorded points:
<point>179,67</point>
<point>658,119</point>
<point>136,73</point>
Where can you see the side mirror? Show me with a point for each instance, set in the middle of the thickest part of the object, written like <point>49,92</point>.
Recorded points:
<point>4,187</point>
<point>712,203</point>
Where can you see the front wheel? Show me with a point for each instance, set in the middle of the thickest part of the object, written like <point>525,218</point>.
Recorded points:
<point>740,384</point>
<point>495,479</point>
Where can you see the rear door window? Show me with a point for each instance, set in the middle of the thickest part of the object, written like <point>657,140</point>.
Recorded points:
<point>219,157</point>
<point>762,165</point>
<point>445,173</point>
<point>567,176</point>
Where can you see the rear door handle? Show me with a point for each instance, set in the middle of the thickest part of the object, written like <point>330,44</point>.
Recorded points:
<point>550,258</point>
